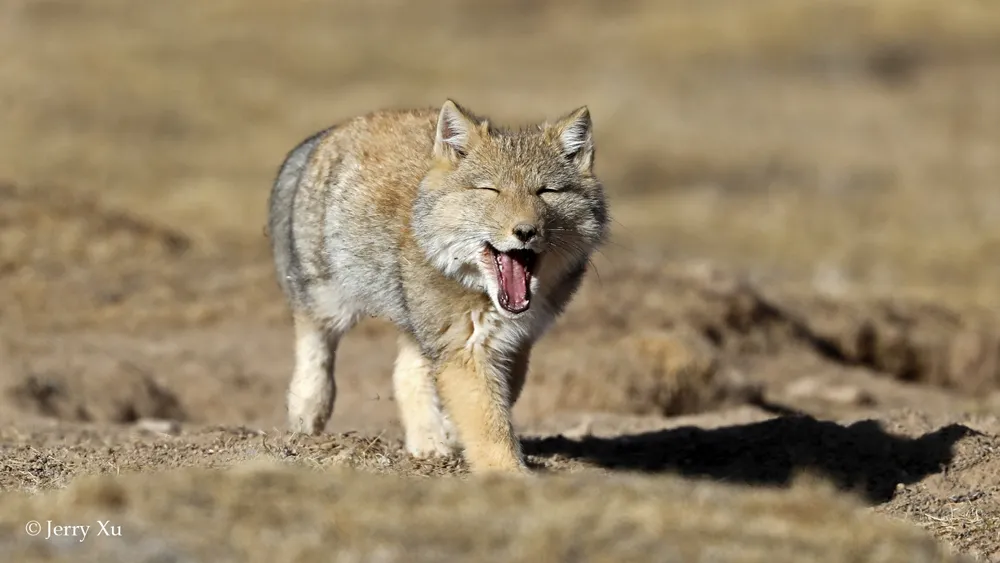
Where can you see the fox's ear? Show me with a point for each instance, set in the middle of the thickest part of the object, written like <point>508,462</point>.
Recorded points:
<point>575,134</point>
<point>456,134</point>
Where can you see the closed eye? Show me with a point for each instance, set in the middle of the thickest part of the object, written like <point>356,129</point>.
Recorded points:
<point>486,188</point>
<point>547,190</point>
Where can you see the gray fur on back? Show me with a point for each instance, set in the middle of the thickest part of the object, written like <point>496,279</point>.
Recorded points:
<point>280,216</point>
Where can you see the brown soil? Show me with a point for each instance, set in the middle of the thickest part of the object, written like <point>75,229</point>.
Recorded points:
<point>789,352</point>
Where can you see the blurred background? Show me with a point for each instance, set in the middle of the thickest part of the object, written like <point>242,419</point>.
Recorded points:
<point>848,148</point>
<point>853,145</point>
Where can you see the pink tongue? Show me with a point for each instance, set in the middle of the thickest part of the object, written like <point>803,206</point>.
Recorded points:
<point>514,282</point>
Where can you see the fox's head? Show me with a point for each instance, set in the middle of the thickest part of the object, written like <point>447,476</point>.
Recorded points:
<point>512,213</point>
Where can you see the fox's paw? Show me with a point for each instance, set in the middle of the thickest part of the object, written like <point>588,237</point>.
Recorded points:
<point>435,438</point>
<point>500,464</point>
<point>309,427</point>
<point>309,419</point>
<point>431,445</point>
<point>431,434</point>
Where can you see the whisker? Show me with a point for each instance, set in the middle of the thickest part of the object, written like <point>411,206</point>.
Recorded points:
<point>596,272</point>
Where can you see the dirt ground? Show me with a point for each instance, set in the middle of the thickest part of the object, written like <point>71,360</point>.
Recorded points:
<point>790,351</point>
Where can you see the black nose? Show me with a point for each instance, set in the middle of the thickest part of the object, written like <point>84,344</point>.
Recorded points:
<point>525,232</point>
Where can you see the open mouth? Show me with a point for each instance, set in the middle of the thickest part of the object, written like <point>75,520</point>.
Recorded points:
<point>514,270</point>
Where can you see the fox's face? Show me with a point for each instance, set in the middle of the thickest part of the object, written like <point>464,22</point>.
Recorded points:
<point>511,213</point>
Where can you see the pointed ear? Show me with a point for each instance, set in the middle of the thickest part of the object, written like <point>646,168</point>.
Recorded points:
<point>456,132</point>
<point>574,132</point>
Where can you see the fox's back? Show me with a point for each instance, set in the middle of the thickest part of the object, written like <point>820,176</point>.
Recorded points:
<point>349,207</point>
<point>368,170</point>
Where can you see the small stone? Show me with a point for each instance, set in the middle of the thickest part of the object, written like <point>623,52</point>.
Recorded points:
<point>159,426</point>
<point>847,395</point>
<point>582,430</point>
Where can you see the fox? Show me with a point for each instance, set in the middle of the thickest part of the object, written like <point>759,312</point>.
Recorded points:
<point>470,237</point>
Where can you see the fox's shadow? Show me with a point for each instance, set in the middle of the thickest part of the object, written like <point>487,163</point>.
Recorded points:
<point>861,456</point>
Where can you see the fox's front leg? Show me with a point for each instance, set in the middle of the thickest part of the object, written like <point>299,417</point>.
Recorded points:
<point>429,432</point>
<point>475,391</point>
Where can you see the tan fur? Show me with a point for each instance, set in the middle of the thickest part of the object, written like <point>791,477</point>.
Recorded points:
<point>429,430</point>
<point>473,389</point>
<point>401,214</point>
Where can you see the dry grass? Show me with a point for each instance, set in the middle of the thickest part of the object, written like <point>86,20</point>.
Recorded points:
<point>964,527</point>
<point>277,514</point>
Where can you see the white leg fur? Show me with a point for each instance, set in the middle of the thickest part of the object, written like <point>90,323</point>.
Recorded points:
<point>429,431</point>
<point>312,390</point>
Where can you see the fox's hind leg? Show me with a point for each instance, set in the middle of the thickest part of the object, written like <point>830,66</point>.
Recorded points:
<point>429,431</point>
<point>312,390</point>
